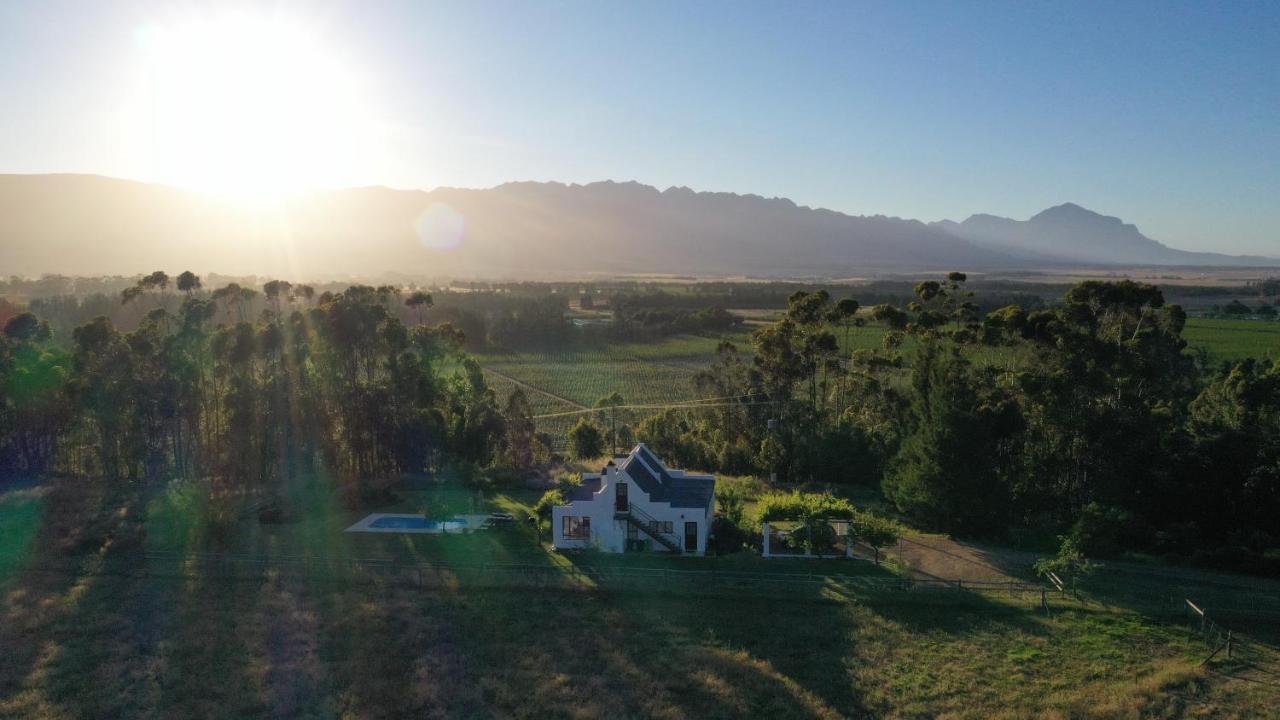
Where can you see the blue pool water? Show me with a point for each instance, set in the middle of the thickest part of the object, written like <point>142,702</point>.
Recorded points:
<point>417,523</point>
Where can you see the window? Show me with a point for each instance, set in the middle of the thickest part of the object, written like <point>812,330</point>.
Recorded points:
<point>660,526</point>
<point>573,526</point>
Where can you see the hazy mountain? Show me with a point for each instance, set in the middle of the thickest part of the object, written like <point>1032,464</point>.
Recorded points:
<point>1072,234</point>
<point>79,224</point>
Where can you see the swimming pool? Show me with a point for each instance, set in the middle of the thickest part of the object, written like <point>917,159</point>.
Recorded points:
<point>404,523</point>
<point>413,522</point>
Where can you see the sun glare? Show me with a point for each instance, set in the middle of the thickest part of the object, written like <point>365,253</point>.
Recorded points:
<point>253,108</point>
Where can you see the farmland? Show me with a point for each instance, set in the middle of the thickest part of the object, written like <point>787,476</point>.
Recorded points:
<point>661,372</point>
<point>564,382</point>
<point>1234,339</point>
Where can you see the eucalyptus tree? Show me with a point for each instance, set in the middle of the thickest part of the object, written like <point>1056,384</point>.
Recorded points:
<point>103,389</point>
<point>520,439</point>
<point>188,283</point>
<point>34,408</point>
<point>419,301</point>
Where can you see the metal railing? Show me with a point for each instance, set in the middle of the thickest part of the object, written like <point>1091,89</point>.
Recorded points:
<point>650,526</point>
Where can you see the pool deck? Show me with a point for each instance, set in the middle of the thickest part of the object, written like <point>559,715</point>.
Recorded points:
<point>473,523</point>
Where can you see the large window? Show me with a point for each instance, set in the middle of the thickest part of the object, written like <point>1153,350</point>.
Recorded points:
<point>662,526</point>
<point>573,526</point>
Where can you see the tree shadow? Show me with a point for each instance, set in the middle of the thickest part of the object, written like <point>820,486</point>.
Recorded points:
<point>609,654</point>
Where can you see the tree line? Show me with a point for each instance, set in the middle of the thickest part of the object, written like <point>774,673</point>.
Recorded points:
<point>1086,418</point>
<point>201,388</point>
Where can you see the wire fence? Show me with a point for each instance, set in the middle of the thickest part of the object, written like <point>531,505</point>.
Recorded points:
<point>564,575</point>
<point>1231,652</point>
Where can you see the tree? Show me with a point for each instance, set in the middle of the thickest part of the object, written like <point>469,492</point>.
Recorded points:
<point>156,282</point>
<point>956,467</point>
<point>875,531</point>
<point>26,327</point>
<point>612,402</point>
<point>419,301</point>
<point>520,430</point>
<point>891,316</point>
<point>585,440</point>
<point>1233,474</point>
<point>1069,564</point>
<point>1237,308</point>
<point>188,282</point>
<point>276,291</point>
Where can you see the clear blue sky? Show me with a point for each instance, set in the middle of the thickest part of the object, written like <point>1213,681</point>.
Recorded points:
<point>1166,114</point>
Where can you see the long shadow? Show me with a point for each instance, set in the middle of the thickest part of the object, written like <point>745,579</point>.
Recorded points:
<point>633,650</point>
<point>87,626</point>
<point>44,590</point>
<point>629,654</point>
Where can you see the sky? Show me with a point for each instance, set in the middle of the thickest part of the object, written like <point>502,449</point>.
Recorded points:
<point>1165,114</point>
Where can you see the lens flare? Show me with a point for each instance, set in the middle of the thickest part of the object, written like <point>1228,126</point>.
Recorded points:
<point>440,227</point>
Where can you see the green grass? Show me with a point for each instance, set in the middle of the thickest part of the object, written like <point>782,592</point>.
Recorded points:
<point>1226,340</point>
<point>20,515</point>
<point>183,644</point>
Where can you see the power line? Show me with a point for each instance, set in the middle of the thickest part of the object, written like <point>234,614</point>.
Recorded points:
<point>691,404</point>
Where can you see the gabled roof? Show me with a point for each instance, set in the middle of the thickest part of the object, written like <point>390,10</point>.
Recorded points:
<point>647,471</point>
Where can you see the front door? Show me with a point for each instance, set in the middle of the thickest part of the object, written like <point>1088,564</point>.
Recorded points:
<point>691,537</point>
<point>620,499</point>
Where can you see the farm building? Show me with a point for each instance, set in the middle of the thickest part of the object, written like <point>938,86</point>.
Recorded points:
<point>637,504</point>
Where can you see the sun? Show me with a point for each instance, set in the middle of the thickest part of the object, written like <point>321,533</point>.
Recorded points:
<point>253,107</point>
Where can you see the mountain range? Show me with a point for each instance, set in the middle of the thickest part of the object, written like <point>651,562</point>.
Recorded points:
<point>93,225</point>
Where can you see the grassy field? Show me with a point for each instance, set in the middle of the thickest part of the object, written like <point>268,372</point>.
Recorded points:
<point>168,639</point>
<point>1234,339</point>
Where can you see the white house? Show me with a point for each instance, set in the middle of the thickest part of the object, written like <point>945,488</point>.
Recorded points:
<point>637,504</point>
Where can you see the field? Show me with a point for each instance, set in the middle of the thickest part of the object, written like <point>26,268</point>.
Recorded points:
<point>111,605</point>
<point>94,626</point>
<point>1225,340</point>
<point>561,384</point>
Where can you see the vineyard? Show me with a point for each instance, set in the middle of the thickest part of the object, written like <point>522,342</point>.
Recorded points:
<point>564,382</point>
<point>1234,339</point>
<point>560,384</point>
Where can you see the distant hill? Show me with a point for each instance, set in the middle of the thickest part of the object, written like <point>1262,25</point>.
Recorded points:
<point>1069,233</point>
<point>81,224</point>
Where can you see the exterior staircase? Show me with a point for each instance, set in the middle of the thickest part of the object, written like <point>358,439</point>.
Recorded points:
<point>647,524</point>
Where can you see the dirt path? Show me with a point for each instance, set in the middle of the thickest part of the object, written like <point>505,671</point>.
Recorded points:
<point>938,556</point>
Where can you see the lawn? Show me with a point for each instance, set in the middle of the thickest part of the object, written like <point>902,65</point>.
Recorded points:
<point>179,642</point>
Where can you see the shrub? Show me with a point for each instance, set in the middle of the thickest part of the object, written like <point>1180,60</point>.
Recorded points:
<point>876,531</point>
<point>1070,564</point>
<point>1098,529</point>
<point>803,507</point>
<point>558,495</point>
<point>585,440</point>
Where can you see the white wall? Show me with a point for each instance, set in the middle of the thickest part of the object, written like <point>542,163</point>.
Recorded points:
<point>610,535</point>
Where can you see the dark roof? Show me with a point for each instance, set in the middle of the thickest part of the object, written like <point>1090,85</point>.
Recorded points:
<point>646,470</point>
<point>691,492</point>
<point>589,487</point>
